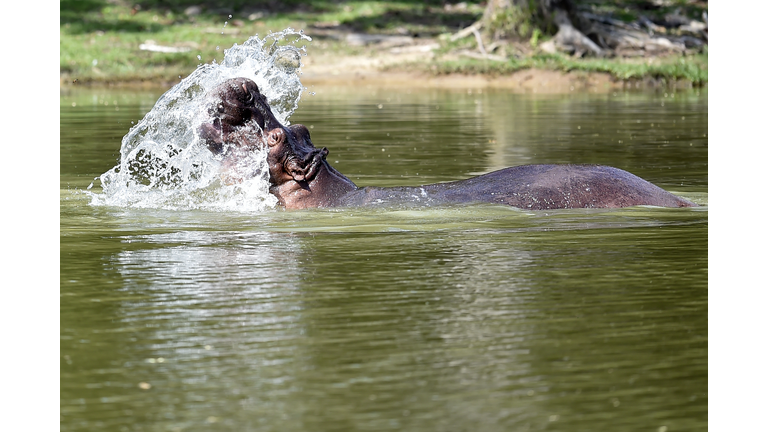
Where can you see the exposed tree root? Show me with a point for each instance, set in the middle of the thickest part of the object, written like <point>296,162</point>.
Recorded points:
<point>587,34</point>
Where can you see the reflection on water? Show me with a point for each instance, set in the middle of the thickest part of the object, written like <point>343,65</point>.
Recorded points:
<point>458,318</point>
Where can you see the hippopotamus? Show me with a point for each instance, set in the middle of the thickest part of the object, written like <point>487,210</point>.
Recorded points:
<point>240,120</point>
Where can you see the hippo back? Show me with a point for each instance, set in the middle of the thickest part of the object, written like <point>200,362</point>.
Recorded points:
<point>541,187</point>
<point>534,187</point>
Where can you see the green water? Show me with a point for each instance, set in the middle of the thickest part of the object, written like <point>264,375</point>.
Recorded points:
<point>461,318</point>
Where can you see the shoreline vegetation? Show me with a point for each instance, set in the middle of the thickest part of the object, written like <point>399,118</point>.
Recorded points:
<point>658,43</point>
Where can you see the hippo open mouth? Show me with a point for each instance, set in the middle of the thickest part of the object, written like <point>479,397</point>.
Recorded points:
<point>238,115</point>
<point>241,121</point>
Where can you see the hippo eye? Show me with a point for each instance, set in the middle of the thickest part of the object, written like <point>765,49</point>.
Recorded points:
<point>249,97</point>
<point>220,108</point>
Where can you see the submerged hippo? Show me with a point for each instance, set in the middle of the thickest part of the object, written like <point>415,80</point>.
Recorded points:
<point>300,177</point>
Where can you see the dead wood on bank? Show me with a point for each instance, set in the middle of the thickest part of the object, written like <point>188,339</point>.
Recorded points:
<point>581,32</point>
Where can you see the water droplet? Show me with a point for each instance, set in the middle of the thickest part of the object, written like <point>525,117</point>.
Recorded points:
<point>199,57</point>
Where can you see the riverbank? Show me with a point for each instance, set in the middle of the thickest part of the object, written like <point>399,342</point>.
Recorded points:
<point>370,71</point>
<point>409,68</point>
<point>116,43</point>
<point>558,75</point>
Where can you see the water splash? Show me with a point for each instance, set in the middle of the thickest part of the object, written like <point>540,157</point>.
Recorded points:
<point>162,162</point>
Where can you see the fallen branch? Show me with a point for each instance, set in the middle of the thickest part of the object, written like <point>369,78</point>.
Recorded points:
<point>479,42</point>
<point>467,31</point>
<point>163,49</point>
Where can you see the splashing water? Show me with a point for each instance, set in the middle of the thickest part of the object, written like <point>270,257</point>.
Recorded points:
<point>163,164</point>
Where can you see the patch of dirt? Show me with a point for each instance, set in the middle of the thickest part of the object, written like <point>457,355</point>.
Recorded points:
<point>336,69</point>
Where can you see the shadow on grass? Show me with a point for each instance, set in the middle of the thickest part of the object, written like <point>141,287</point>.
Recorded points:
<point>84,16</point>
<point>418,16</point>
<point>427,22</point>
<point>277,6</point>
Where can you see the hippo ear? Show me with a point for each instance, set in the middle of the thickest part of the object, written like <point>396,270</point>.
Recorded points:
<point>275,136</point>
<point>249,98</point>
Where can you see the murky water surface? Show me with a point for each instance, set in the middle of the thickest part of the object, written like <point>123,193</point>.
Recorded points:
<point>444,319</point>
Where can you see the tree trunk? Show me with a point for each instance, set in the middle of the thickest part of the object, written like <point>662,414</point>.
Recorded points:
<point>508,19</point>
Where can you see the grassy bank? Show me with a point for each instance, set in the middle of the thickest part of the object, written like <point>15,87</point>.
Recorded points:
<point>673,68</point>
<point>117,41</point>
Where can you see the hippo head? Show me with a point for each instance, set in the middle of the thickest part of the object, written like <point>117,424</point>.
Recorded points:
<point>237,115</point>
<point>292,156</point>
<point>241,121</point>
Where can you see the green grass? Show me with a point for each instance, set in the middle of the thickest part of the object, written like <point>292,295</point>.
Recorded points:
<point>673,68</point>
<point>691,68</point>
<point>103,43</point>
<point>99,40</point>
